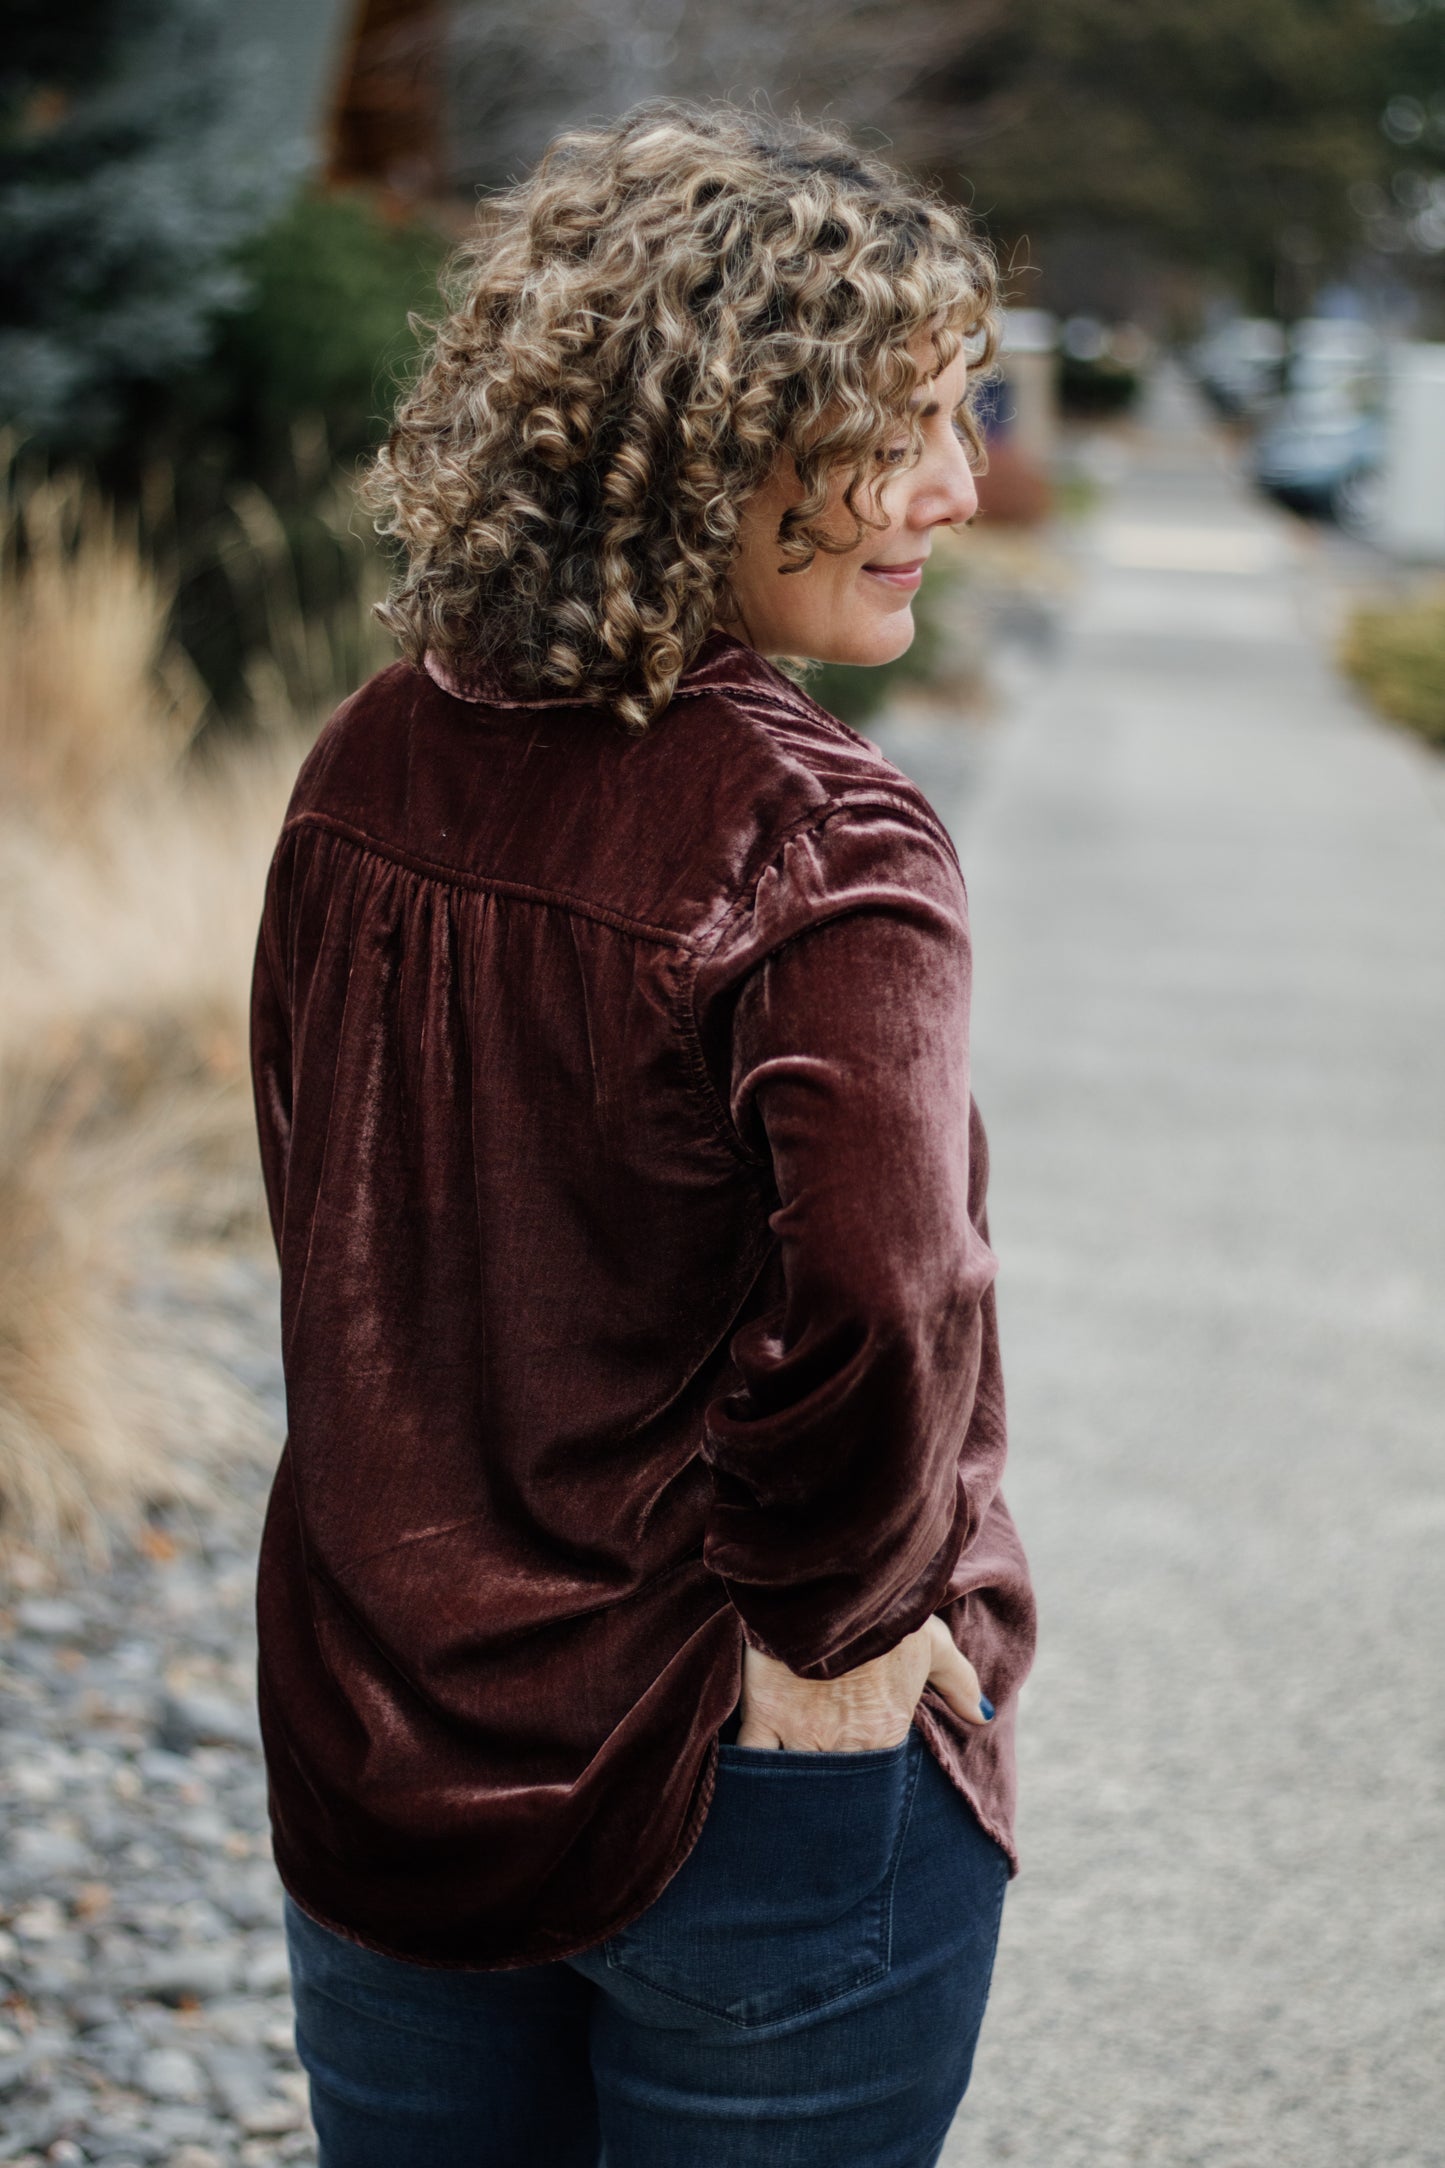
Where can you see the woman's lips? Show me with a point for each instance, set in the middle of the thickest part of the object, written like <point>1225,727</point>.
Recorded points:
<point>904,577</point>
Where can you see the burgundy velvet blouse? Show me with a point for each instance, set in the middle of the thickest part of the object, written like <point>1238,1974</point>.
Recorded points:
<point>636,1289</point>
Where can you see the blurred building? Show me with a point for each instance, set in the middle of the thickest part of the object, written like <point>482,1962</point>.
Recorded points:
<point>361,81</point>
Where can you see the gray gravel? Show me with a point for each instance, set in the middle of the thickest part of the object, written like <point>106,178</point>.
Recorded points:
<point>1208,897</point>
<point>144,2011</point>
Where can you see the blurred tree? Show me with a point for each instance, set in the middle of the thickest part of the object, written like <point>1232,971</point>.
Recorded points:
<point>1238,136</point>
<point>1227,131</point>
<point>1243,136</point>
<point>1403,210</point>
<point>516,77</point>
<point>134,158</point>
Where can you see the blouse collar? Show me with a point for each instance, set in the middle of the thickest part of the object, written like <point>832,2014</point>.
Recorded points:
<point>722,663</point>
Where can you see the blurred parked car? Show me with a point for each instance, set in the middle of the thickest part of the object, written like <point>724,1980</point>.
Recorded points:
<point>1240,365</point>
<point>1100,366</point>
<point>1335,359</point>
<point>1322,458</point>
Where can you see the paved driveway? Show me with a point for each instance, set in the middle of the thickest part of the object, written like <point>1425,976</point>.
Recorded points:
<point>1208,900</point>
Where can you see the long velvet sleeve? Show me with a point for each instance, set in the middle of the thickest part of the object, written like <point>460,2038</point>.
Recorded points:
<point>834,1014</point>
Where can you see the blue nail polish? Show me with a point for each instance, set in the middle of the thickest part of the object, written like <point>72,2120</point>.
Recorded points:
<point>987,1708</point>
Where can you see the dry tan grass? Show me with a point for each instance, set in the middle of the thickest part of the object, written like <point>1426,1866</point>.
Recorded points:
<point>102,1405</point>
<point>91,693</point>
<point>130,887</point>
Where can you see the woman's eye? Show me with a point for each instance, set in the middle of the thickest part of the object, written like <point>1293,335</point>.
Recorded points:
<point>894,455</point>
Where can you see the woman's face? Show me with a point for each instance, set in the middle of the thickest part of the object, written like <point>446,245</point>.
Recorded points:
<point>857,607</point>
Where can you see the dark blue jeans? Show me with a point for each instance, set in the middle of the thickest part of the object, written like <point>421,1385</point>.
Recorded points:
<point>805,1993</point>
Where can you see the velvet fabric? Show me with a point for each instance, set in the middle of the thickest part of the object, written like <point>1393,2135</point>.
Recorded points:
<point>629,1193</point>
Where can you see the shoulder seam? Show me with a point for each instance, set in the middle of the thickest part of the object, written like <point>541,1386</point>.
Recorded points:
<point>788,699</point>
<point>488,884</point>
<point>817,816</point>
<point>802,704</point>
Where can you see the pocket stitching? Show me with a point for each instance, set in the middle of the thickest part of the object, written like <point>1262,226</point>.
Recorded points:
<point>883,1901</point>
<point>779,1761</point>
<point>903,1821</point>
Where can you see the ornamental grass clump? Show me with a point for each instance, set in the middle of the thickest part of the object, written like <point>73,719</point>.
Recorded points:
<point>130,883</point>
<point>1395,653</point>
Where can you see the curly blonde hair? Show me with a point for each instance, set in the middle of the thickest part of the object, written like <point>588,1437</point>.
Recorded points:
<point>635,333</point>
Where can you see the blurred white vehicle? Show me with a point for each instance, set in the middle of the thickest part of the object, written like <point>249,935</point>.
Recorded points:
<point>1335,363</point>
<point>1240,364</point>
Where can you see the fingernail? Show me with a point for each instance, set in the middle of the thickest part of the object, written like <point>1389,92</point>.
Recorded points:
<point>987,1708</point>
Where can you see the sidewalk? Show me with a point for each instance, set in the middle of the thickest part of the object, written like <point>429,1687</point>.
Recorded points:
<point>1208,900</point>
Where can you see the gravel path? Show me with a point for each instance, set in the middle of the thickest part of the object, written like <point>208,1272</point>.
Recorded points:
<point>1209,904</point>
<point>145,2014</point>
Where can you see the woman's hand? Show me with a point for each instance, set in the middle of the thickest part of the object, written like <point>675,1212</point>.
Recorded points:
<point>871,1706</point>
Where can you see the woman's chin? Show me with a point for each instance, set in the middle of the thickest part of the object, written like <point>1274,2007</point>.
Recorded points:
<point>867,646</point>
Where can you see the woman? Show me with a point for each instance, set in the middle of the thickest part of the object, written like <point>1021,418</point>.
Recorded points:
<point>641,1626</point>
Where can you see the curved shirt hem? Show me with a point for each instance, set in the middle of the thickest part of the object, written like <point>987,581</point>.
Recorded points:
<point>557,1947</point>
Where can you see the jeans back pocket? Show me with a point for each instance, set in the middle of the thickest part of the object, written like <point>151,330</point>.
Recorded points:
<point>785,1903</point>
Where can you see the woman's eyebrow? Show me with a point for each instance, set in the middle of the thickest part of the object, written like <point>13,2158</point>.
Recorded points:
<point>923,412</point>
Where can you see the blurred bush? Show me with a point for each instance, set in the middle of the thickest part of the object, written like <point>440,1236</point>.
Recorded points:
<point>323,332</point>
<point>1092,386</point>
<point>241,469</point>
<point>1396,655</point>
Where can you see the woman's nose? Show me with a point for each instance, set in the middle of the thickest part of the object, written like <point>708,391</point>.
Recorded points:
<point>949,495</point>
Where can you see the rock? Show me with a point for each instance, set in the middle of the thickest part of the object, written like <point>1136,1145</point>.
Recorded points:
<point>196,2156</point>
<point>170,2074</point>
<point>202,1973</point>
<point>242,2080</point>
<point>20,2138</point>
<point>95,2009</point>
<point>253,1897</point>
<point>267,1968</point>
<point>273,2118</point>
<point>35,1778</point>
<point>40,1921</point>
<point>105,1828</point>
<point>51,1618</point>
<point>182,2123</point>
<point>42,1854</point>
<point>199,1719</point>
<point>57,1972</point>
<point>202,1827</point>
<point>158,1765</point>
<point>92,1900</point>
